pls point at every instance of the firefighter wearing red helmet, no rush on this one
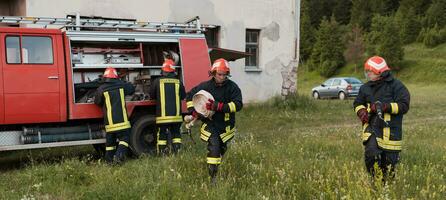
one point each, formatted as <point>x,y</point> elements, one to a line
<point>168,90</point>
<point>110,96</point>
<point>219,130</point>
<point>380,106</point>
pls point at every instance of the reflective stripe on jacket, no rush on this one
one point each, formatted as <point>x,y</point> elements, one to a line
<point>222,123</point>
<point>110,96</point>
<point>168,91</point>
<point>388,131</point>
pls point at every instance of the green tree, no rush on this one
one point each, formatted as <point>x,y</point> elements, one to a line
<point>436,14</point>
<point>314,11</point>
<point>385,7</point>
<point>419,6</point>
<point>317,10</point>
<point>383,41</point>
<point>432,37</point>
<point>361,14</point>
<point>355,46</point>
<point>409,24</point>
<point>326,56</point>
<point>342,11</point>
<point>307,37</point>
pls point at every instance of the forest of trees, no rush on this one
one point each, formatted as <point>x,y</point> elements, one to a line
<point>336,32</point>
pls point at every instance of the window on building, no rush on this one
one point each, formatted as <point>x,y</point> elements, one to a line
<point>212,35</point>
<point>29,50</point>
<point>252,47</point>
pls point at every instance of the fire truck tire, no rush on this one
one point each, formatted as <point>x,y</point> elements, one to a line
<point>143,136</point>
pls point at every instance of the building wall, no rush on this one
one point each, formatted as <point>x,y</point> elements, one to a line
<point>12,7</point>
<point>276,19</point>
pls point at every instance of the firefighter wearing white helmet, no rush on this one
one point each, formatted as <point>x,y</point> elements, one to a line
<point>219,130</point>
<point>110,96</point>
<point>380,106</point>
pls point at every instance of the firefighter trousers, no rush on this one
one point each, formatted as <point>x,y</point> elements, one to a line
<point>164,139</point>
<point>380,163</point>
<point>216,150</point>
<point>116,145</point>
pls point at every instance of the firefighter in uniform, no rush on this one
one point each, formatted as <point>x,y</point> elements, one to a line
<point>169,91</point>
<point>219,130</point>
<point>110,95</point>
<point>380,105</point>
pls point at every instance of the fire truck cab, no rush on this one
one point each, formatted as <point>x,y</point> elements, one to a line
<point>48,77</point>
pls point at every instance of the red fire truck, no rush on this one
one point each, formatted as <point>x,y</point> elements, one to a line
<point>48,76</point>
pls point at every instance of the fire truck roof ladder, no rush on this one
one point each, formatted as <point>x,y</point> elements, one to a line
<point>77,23</point>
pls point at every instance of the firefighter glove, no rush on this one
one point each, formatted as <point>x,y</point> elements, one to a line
<point>377,105</point>
<point>214,105</point>
<point>363,115</point>
<point>195,114</point>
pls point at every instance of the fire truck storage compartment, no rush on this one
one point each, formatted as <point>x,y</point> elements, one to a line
<point>136,62</point>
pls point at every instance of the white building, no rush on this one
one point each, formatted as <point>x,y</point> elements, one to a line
<point>266,28</point>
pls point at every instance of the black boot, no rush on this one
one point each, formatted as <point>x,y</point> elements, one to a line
<point>213,169</point>
<point>121,154</point>
<point>176,147</point>
<point>163,150</point>
<point>108,156</point>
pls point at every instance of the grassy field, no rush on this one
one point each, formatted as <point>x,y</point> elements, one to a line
<point>299,148</point>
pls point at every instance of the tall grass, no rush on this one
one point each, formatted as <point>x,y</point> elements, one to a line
<point>297,148</point>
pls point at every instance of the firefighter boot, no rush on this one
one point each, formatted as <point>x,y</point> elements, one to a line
<point>109,153</point>
<point>176,147</point>
<point>121,153</point>
<point>213,169</point>
<point>163,150</point>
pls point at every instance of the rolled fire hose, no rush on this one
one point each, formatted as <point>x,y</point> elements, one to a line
<point>199,101</point>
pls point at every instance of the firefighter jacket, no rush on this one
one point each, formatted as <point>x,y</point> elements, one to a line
<point>392,92</point>
<point>222,123</point>
<point>110,95</point>
<point>169,91</point>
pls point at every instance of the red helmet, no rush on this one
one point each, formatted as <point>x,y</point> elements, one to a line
<point>110,72</point>
<point>220,65</point>
<point>376,64</point>
<point>168,66</point>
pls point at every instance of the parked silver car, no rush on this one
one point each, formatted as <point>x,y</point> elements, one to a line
<point>339,87</point>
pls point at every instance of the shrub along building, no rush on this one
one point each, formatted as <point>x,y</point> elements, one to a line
<point>268,30</point>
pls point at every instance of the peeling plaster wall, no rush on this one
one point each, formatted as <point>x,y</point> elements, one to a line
<point>275,19</point>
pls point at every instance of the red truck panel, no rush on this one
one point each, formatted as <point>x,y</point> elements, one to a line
<point>2,101</point>
<point>33,93</point>
<point>195,60</point>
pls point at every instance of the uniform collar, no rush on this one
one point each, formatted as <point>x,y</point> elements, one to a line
<point>386,77</point>
<point>221,84</point>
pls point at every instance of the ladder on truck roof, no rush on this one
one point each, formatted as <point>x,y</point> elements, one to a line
<point>77,23</point>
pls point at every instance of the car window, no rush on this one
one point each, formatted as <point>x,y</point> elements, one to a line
<point>337,82</point>
<point>328,82</point>
<point>353,81</point>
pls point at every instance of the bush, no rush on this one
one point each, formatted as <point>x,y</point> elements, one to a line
<point>293,102</point>
<point>432,37</point>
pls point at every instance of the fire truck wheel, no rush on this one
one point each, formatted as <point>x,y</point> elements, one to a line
<point>143,136</point>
